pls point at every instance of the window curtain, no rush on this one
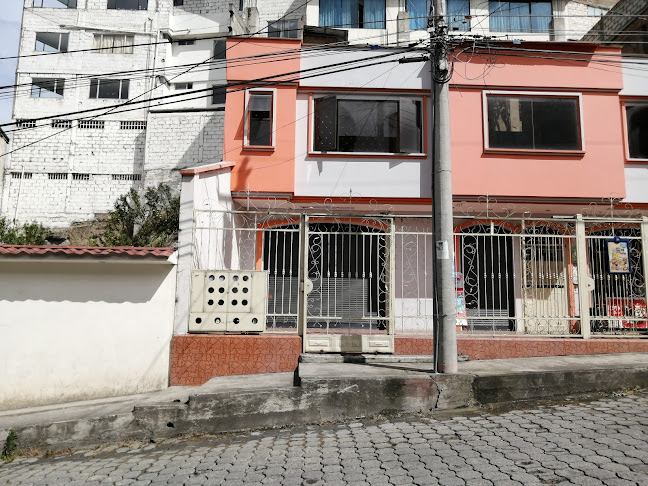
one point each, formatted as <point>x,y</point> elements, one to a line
<point>541,15</point>
<point>374,14</point>
<point>457,11</point>
<point>520,16</point>
<point>418,11</point>
<point>119,44</point>
<point>339,13</point>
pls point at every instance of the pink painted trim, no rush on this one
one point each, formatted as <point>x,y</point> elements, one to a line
<point>207,168</point>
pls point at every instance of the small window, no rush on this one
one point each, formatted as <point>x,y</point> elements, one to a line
<point>115,89</point>
<point>363,14</point>
<point>357,125</point>
<point>637,120</point>
<point>126,177</point>
<point>220,49</point>
<point>78,176</point>
<point>25,123</point>
<point>528,122</point>
<point>219,94</point>
<point>57,176</point>
<point>182,86</point>
<point>187,42</point>
<point>55,3</point>
<point>529,16</point>
<point>21,175</point>
<point>178,3</point>
<point>128,4</point>
<point>284,28</point>
<point>113,43</point>
<point>47,87</point>
<point>61,123</point>
<point>132,125</point>
<point>259,118</point>
<point>92,124</point>
<point>51,42</point>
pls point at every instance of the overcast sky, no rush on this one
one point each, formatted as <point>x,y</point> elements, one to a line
<point>10,15</point>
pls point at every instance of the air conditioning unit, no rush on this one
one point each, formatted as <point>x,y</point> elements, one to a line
<point>228,301</point>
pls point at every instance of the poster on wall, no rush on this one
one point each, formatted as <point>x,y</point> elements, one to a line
<point>618,255</point>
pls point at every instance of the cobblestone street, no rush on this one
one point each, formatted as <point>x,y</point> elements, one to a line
<point>604,442</point>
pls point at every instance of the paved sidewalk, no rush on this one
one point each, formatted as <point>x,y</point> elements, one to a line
<point>600,443</point>
<point>327,391</point>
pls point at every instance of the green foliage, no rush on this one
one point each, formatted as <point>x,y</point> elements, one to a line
<point>149,221</point>
<point>27,234</point>
<point>10,446</point>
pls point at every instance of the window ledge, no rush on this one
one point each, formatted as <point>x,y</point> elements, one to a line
<point>637,161</point>
<point>365,155</point>
<point>259,148</point>
<point>558,153</point>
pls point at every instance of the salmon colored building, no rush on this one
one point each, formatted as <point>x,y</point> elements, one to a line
<point>314,232</point>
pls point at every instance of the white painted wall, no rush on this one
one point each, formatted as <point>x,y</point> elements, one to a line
<point>77,330</point>
<point>636,177</point>
<point>634,76</point>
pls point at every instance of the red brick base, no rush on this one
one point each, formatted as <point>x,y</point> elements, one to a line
<point>197,358</point>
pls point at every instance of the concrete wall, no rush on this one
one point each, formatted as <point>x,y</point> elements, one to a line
<point>77,330</point>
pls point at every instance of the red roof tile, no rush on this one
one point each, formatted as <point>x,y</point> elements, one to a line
<point>85,251</point>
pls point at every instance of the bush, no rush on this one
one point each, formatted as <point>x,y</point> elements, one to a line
<point>150,222</point>
<point>27,234</point>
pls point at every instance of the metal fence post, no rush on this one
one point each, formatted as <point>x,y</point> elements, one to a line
<point>583,277</point>
<point>303,277</point>
<point>392,278</point>
<point>644,250</point>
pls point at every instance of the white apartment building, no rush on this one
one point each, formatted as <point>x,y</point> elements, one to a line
<point>114,94</point>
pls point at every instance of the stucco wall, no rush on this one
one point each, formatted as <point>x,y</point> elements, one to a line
<point>74,330</point>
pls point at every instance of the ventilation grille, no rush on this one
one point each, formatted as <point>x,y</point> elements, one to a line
<point>56,176</point>
<point>80,177</point>
<point>23,123</point>
<point>61,123</point>
<point>21,175</point>
<point>93,124</point>
<point>132,125</point>
<point>126,177</point>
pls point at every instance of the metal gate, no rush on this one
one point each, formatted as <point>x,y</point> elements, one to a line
<point>346,298</point>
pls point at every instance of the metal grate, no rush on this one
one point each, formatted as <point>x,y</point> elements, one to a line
<point>24,123</point>
<point>21,175</point>
<point>61,123</point>
<point>132,125</point>
<point>57,176</point>
<point>92,124</point>
<point>126,177</point>
<point>80,177</point>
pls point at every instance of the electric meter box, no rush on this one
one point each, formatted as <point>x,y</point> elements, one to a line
<point>228,300</point>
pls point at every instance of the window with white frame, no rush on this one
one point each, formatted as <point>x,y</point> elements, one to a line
<point>51,42</point>
<point>259,119</point>
<point>55,3</point>
<point>113,43</point>
<point>349,124</point>
<point>346,14</point>
<point>637,129</point>
<point>116,89</point>
<point>520,121</point>
<point>284,28</point>
<point>524,16</point>
<point>47,87</point>
<point>128,4</point>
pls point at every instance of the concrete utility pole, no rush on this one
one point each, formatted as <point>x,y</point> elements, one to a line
<point>445,342</point>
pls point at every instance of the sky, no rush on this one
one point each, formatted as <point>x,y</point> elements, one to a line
<point>10,17</point>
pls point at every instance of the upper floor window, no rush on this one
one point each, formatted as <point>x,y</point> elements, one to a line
<point>51,42</point>
<point>55,3</point>
<point>220,49</point>
<point>529,16</point>
<point>178,3</point>
<point>533,122</point>
<point>347,14</point>
<point>284,28</point>
<point>128,4</point>
<point>219,94</point>
<point>637,120</point>
<point>116,89</point>
<point>259,118</point>
<point>457,11</point>
<point>47,87</point>
<point>361,125</point>
<point>187,42</point>
<point>113,43</point>
<point>182,86</point>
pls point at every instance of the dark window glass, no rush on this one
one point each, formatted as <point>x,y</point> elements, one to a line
<point>284,28</point>
<point>51,42</point>
<point>367,14</point>
<point>128,4</point>
<point>260,119</point>
<point>178,3</point>
<point>218,95</point>
<point>47,88</point>
<point>55,3</point>
<point>109,88</point>
<point>520,16</point>
<point>637,118</point>
<point>533,123</point>
<point>368,126</point>
<point>220,49</point>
